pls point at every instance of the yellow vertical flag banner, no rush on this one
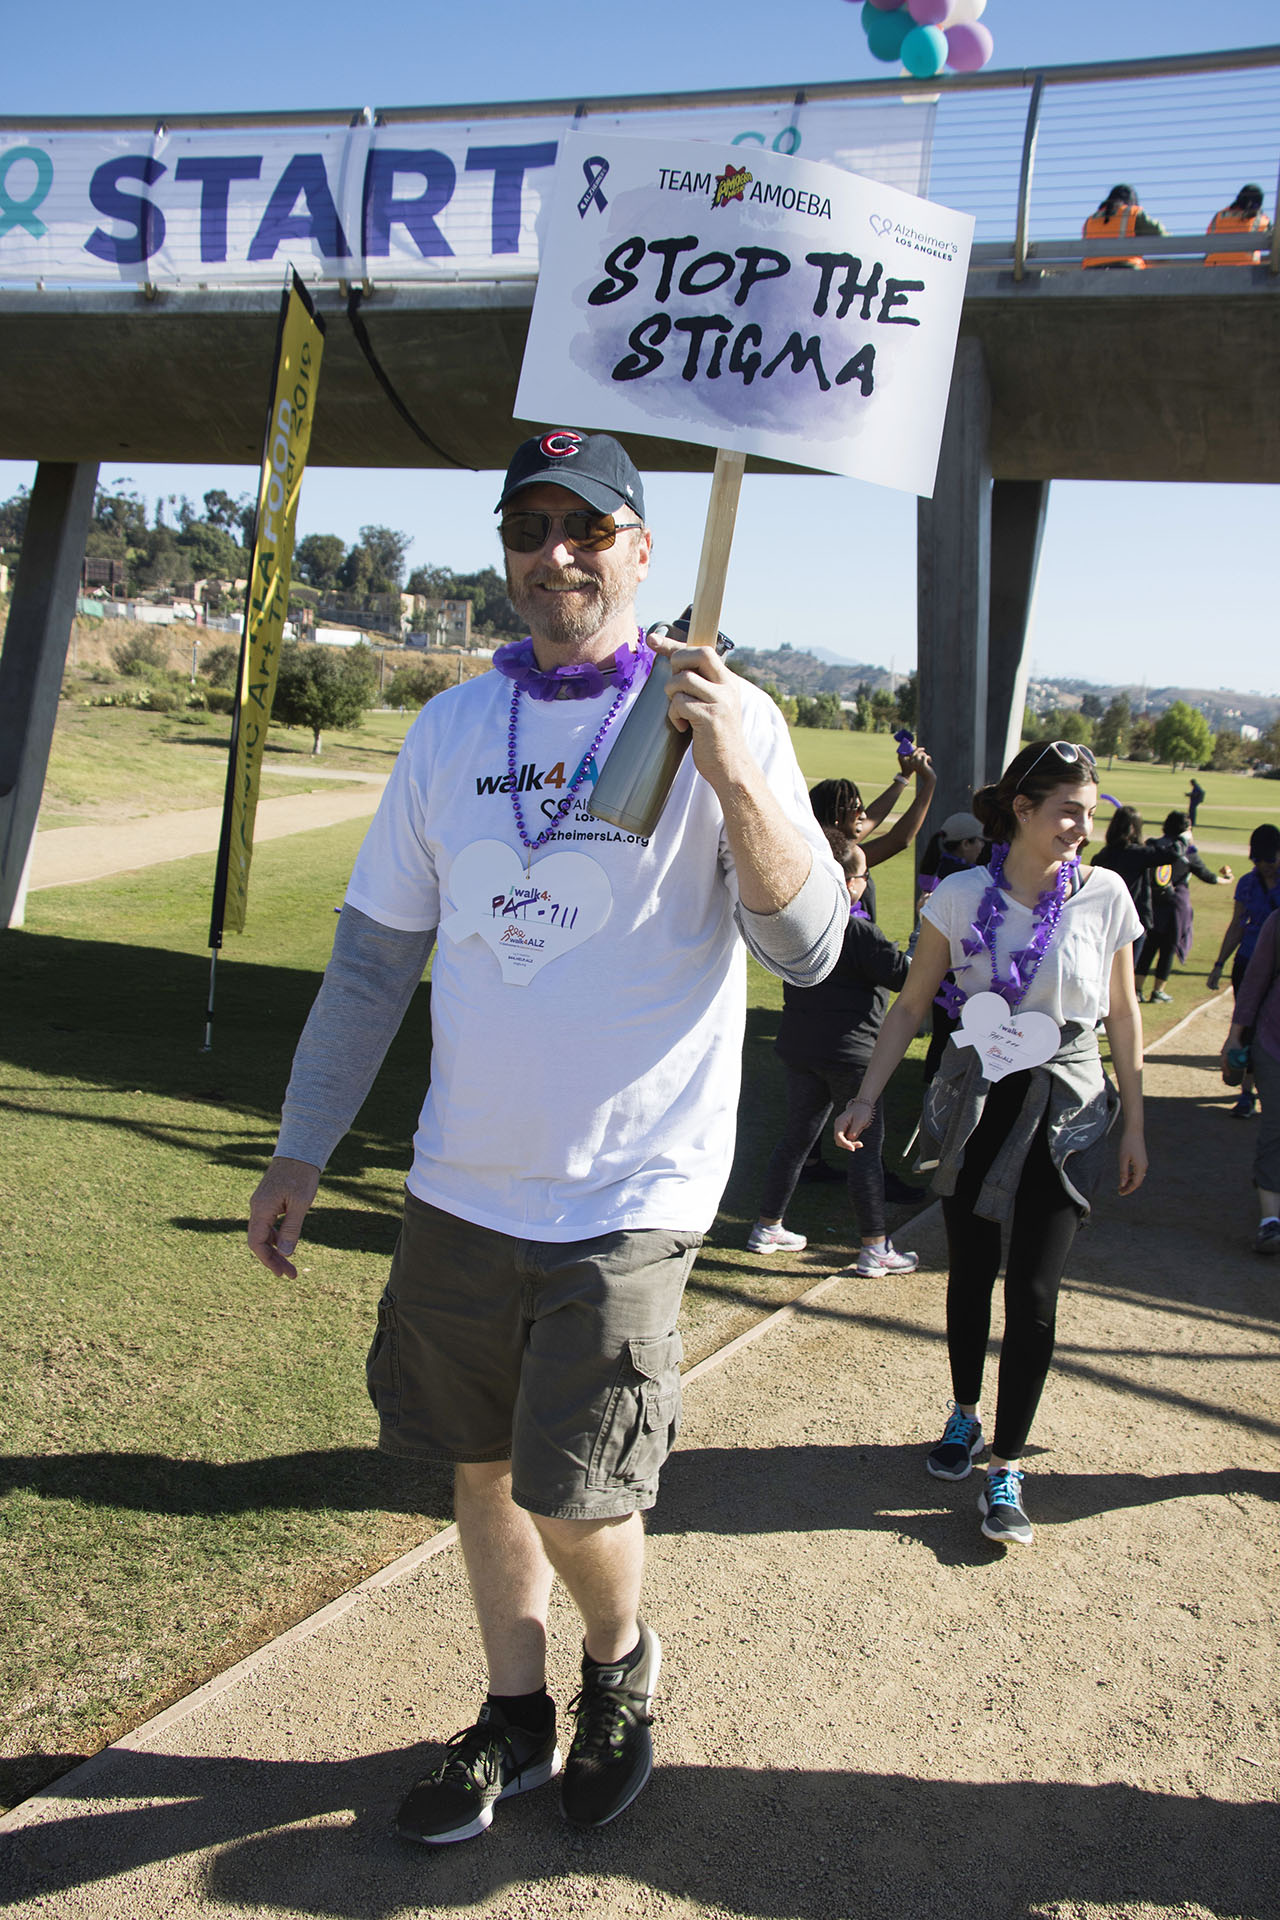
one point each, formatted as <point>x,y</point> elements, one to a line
<point>300,344</point>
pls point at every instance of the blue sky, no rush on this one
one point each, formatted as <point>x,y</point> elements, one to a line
<point>1135,581</point>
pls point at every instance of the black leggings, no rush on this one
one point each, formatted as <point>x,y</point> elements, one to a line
<point>1040,1235</point>
<point>1158,950</point>
<point>811,1098</point>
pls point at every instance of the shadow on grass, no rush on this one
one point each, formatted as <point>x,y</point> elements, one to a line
<point>315,1837</point>
<point>347,1229</point>
<point>129,1019</point>
<point>326,1480</point>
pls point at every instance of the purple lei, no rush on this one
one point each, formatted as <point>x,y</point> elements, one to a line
<point>986,924</point>
<point>586,681</point>
<point>857,911</point>
<point>516,661</point>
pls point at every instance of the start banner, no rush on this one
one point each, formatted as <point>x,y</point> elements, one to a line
<point>412,200</point>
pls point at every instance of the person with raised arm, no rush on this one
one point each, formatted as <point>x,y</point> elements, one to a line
<point>1017,1117</point>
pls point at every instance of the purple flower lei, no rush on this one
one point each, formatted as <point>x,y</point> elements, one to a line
<point>584,681</point>
<point>520,667</point>
<point>984,928</point>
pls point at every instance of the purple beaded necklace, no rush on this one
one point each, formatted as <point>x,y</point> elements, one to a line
<point>1024,964</point>
<point>521,667</point>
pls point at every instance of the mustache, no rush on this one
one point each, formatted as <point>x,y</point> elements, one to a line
<point>561,577</point>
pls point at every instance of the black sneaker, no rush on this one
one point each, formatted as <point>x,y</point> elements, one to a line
<point>1004,1516</point>
<point>953,1457</point>
<point>611,1757</point>
<point>481,1765</point>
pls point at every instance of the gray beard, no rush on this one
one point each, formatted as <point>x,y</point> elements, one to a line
<point>560,621</point>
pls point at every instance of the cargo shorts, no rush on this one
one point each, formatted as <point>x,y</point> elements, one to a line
<point>562,1356</point>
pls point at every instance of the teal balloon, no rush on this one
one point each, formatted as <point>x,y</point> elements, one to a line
<point>923,51</point>
<point>887,31</point>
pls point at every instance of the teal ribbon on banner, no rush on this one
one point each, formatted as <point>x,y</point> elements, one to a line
<point>22,213</point>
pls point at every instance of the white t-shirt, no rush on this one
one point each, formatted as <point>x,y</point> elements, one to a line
<point>602,1094</point>
<point>1073,979</point>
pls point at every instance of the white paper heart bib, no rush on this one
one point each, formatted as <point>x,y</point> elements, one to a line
<point>1006,1042</point>
<point>527,918</point>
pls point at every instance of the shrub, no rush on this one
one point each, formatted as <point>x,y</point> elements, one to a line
<point>220,700</point>
<point>160,700</point>
<point>221,665</point>
<point>141,653</point>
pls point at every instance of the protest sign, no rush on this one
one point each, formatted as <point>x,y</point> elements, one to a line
<point>747,300</point>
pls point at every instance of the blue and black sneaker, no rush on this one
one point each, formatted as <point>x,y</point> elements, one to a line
<point>1000,1503</point>
<point>961,1442</point>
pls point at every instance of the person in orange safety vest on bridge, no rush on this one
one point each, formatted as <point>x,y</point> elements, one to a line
<point>1244,215</point>
<point>1118,218</point>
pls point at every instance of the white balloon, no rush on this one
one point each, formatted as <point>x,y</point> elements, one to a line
<point>963,12</point>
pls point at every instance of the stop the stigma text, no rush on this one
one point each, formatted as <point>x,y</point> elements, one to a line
<point>714,344</point>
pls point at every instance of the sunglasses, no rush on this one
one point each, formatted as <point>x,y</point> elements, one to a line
<point>1066,750</point>
<point>584,528</point>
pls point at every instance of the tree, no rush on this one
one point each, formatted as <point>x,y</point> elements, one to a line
<point>822,710</point>
<point>320,687</point>
<point>1091,706</point>
<point>1183,736</point>
<point>13,518</point>
<point>221,511</point>
<point>1230,753</point>
<point>1065,723</point>
<point>142,654</point>
<point>1032,725</point>
<point>908,698</point>
<point>376,564</point>
<point>1142,739</point>
<point>316,560</point>
<point>212,552</point>
<point>414,686</point>
<point>1111,735</point>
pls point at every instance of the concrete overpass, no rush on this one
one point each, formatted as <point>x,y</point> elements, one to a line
<point>1164,375</point>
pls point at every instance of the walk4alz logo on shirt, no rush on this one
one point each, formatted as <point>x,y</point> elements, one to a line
<point>529,780</point>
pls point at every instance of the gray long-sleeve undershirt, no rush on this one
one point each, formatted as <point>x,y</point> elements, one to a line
<point>373,971</point>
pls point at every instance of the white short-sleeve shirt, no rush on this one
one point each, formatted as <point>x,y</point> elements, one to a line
<point>603,1093</point>
<point>1073,979</point>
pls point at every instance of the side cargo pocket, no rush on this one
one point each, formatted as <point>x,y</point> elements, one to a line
<point>641,1417</point>
<point>382,1368</point>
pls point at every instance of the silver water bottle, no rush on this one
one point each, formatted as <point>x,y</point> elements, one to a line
<point>643,761</point>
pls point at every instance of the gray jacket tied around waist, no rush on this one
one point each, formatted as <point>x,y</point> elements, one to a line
<point>1071,1089</point>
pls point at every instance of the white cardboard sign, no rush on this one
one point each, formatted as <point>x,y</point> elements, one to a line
<point>741,299</point>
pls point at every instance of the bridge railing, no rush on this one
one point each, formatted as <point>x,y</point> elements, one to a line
<point>1031,155</point>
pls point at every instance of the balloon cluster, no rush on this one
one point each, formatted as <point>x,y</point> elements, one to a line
<point>928,35</point>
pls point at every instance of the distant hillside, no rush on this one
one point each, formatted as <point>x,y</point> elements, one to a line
<point>796,670</point>
<point>810,670</point>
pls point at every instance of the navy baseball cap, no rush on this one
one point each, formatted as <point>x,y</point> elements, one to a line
<point>592,465</point>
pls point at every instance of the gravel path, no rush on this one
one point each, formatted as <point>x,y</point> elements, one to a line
<point>866,1709</point>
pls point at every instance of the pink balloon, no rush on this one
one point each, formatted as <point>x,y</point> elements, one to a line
<point>969,47</point>
<point>928,13</point>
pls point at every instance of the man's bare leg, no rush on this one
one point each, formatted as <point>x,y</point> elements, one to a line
<point>510,1576</point>
<point>602,1564</point>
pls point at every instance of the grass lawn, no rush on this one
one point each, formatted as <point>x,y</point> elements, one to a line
<point>186,1461</point>
<point>119,763</point>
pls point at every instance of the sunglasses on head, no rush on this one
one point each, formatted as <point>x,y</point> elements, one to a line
<point>584,527</point>
<point>1066,750</point>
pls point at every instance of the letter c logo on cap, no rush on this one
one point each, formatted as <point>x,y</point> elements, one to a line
<point>558,445</point>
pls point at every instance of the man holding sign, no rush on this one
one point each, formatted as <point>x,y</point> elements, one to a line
<point>588,1003</point>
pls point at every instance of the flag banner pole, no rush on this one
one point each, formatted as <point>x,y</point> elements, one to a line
<point>296,373</point>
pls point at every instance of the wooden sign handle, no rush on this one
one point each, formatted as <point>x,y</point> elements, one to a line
<point>717,538</point>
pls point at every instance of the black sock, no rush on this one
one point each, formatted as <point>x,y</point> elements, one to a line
<point>529,1711</point>
<point>627,1662</point>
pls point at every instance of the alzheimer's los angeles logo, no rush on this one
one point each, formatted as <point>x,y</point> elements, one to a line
<point>885,227</point>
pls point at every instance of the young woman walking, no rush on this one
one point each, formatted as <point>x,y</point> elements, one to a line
<point>1016,1118</point>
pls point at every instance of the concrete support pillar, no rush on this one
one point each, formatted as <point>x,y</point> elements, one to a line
<point>953,570</point>
<point>35,652</point>
<point>1018,509</point>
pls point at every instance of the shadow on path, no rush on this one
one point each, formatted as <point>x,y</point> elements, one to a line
<point>302,1838</point>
